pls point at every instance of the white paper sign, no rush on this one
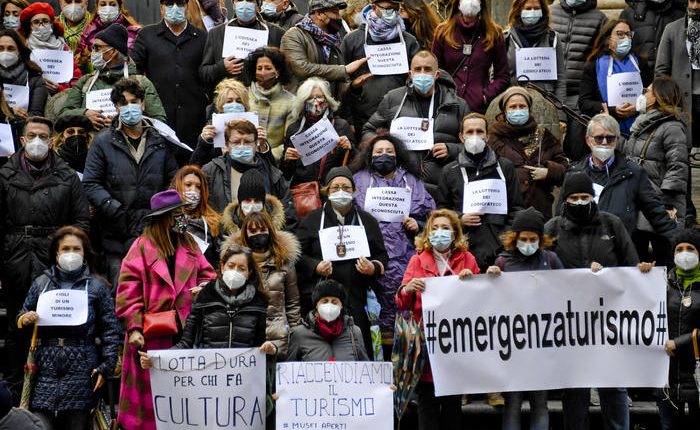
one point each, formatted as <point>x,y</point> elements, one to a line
<point>239,41</point>
<point>316,141</point>
<point>569,328</point>
<point>598,190</point>
<point>536,64</point>
<point>17,96</point>
<point>387,59</point>
<point>208,388</point>
<point>334,395</point>
<point>168,133</point>
<point>62,307</point>
<point>56,65</point>
<point>410,131</point>
<point>101,100</point>
<point>489,196</point>
<point>624,88</point>
<point>7,143</point>
<point>354,243</point>
<point>388,204</point>
<point>219,120</point>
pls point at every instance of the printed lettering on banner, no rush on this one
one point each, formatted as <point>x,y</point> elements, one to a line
<point>624,88</point>
<point>17,96</point>
<point>316,141</point>
<point>219,121</point>
<point>387,58</point>
<point>208,388</point>
<point>7,143</point>
<point>486,195</point>
<point>56,65</point>
<point>536,64</point>
<point>388,204</point>
<point>101,100</point>
<point>334,395</point>
<point>239,41</point>
<point>62,307</point>
<point>410,131</point>
<point>354,243</point>
<point>569,328</point>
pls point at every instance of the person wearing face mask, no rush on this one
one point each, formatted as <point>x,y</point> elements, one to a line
<point>64,391</point>
<point>126,163</point>
<point>17,68</point>
<point>683,304</point>
<point>10,11</point>
<point>589,237</point>
<point>39,193</point>
<point>164,270</point>
<point>382,25</point>
<point>385,163</point>
<point>468,45</point>
<point>524,250</point>
<point>281,12</point>
<point>314,102</point>
<point>72,140</point>
<point>421,21</point>
<point>111,63</point>
<point>478,161</point>
<point>612,53</point>
<point>535,153</point>
<point>442,250</point>
<point>429,98</point>
<point>313,46</point>
<point>206,14</point>
<point>356,274</point>
<point>216,64</point>
<point>203,221</point>
<point>74,17</point>
<point>658,144</point>
<point>327,332</point>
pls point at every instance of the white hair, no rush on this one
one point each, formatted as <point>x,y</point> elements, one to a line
<point>604,121</point>
<point>304,92</point>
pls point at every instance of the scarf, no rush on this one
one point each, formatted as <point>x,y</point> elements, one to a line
<point>261,93</point>
<point>36,169</point>
<point>53,44</point>
<point>693,34</point>
<point>73,34</point>
<point>688,277</point>
<point>627,64</point>
<point>380,31</point>
<point>259,165</point>
<point>648,118</point>
<point>240,299</point>
<point>327,40</point>
<point>329,330</point>
<point>12,75</point>
<point>506,130</point>
<point>261,257</point>
<point>531,34</point>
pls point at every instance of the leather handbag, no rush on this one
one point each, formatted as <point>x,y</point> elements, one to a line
<point>159,324</point>
<point>306,197</point>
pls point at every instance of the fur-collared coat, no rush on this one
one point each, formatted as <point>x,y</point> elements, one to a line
<point>232,219</point>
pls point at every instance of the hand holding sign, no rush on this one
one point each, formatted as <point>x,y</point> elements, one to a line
<point>233,66</point>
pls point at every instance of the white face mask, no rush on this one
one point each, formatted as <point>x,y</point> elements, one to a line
<point>329,312</point>
<point>603,153</point>
<point>641,103</point>
<point>108,14</point>
<point>70,261</point>
<point>248,208</point>
<point>526,248</point>
<point>340,199</point>
<point>474,144</point>
<point>43,32</point>
<point>37,149</point>
<point>470,7</point>
<point>686,260</point>
<point>8,59</point>
<point>74,12</point>
<point>233,279</point>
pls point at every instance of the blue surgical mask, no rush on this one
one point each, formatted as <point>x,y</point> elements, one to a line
<point>440,239</point>
<point>175,14</point>
<point>531,17</point>
<point>268,10</point>
<point>245,11</point>
<point>527,249</point>
<point>623,47</point>
<point>130,114</point>
<point>11,22</point>
<point>390,16</point>
<point>423,82</point>
<point>242,154</point>
<point>233,107</point>
<point>518,116</point>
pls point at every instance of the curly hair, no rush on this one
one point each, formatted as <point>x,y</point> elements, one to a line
<point>278,59</point>
<point>460,243</point>
<point>363,160</point>
<point>509,240</point>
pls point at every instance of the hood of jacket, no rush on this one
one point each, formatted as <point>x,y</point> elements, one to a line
<point>231,220</point>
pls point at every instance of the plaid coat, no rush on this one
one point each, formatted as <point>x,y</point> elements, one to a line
<point>145,284</point>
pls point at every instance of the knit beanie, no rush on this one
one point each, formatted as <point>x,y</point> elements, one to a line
<point>115,36</point>
<point>340,171</point>
<point>687,235</point>
<point>577,182</point>
<point>529,219</point>
<point>514,91</point>
<point>252,186</point>
<point>326,288</point>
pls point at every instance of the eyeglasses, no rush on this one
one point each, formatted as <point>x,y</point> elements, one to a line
<point>32,136</point>
<point>346,188</point>
<point>39,22</point>
<point>607,138</point>
<point>623,34</point>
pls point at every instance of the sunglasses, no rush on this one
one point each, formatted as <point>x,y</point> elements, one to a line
<point>606,138</point>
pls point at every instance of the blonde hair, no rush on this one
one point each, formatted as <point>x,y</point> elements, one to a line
<point>460,243</point>
<point>222,89</point>
<point>304,92</point>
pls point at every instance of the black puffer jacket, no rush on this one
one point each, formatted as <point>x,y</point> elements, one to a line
<point>288,18</point>
<point>681,322</point>
<point>648,19</point>
<point>64,378</point>
<point>604,240</point>
<point>307,344</point>
<point>515,261</point>
<point>215,323</point>
<point>577,29</point>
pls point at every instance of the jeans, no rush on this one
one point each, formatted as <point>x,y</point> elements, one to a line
<point>673,417</point>
<point>539,414</point>
<point>74,420</point>
<point>437,413</point>
<point>613,407</point>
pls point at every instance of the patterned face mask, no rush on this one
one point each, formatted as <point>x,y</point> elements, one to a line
<point>180,225</point>
<point>316,107</point>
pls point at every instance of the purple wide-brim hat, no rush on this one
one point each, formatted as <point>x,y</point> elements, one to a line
<point>164,202</point>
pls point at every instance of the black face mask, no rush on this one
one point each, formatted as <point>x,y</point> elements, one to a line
<point>259,242</point>
<point>384,164</point>
<point>334,25</point>
<point>694,14</point>
<point>580,214</point>
<point>76,144</point>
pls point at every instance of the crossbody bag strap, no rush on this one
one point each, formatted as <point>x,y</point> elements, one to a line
<point>645,148</point>
<point>696,352</point>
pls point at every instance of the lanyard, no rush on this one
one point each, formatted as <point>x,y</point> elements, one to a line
<point>405,182</point>
<point>323,217</point>
<point>87,283</point>
<point>498,168</point>
<point>612,59</point>
<point>430,109</point>
<point>97,75</point>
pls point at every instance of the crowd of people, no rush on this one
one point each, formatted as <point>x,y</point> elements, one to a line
<point>212,239</point>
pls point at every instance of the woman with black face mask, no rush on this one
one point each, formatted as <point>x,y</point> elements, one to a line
<point>385,167</point>
<point>72,140</point>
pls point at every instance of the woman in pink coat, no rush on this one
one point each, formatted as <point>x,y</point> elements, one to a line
<point>162,271</point>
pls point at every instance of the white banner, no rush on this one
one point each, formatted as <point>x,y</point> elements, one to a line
<point>387,58</point>
<point>353,245</point>
<point>7,143</point>
<point>100,100</point>
<point>624,88</point>
<point>208,388</point>
<point>219,120</point>
<point>62,307</point>
<point>56,66</point>
<point>567,328</point>
<point>389,204</point>
<point>413,132</point>
<point>316,141</point>
<point>17,96</point>
<point>334,395</point>
<point>240,41</point>
<point>536,64</point>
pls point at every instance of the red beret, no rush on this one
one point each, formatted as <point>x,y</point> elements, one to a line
<point>35,9</point>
